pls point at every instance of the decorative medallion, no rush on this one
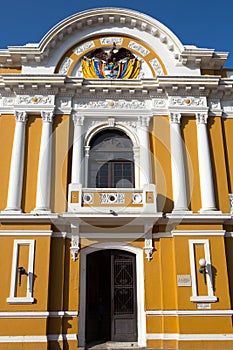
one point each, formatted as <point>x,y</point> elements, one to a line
<point>110,64</point>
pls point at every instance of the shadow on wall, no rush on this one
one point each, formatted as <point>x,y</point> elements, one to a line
<point>164,204</point>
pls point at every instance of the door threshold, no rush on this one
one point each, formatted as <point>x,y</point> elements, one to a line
<point>113,345</point>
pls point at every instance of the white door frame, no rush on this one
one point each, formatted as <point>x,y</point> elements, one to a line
<point>141,315</point>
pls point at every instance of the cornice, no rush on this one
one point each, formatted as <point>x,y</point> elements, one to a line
<point>110,18</point>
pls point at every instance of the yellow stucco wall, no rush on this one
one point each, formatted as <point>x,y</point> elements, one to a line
<point>218,164</point>
<point>189,133</point>
<point>32,151</point>
<point>161,162</point>
<point>61,169</point>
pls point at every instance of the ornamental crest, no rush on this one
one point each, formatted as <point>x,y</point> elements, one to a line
<point>113,64</point>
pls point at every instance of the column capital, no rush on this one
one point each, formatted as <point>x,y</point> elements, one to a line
<point>87,150</point>
<point>175,118</point>
<point>77,118</point>
<point>47,117</point>
<point>201,118</point>
<point>21,116</point>
<point>143,121</point>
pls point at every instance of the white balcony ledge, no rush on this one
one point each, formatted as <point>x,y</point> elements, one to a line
<point>115,201</point>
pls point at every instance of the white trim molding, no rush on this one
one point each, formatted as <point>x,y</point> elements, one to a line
<point>174,313</point>
<point>38,314</point>
<point>198,233</point>
<point>37,338</point>
<point>47,233</point>
<point>28,299</point>
<point>191,337</point>
<point>195,297</point>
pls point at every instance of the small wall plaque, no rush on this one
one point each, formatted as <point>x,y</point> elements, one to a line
<point>184,280</point>
<point>203,306</point>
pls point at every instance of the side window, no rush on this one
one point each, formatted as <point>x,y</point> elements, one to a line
<point>111,161</point>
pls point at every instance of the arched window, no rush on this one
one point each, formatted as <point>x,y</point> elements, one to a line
<point>111,160</point>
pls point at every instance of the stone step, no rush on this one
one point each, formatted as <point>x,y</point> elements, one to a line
<point>111,345</point>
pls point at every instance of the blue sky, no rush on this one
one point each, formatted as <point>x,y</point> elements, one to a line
<point>204,23</point>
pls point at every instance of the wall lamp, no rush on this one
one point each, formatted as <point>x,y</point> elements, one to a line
<point>21,271</point>
<point>203,268</point>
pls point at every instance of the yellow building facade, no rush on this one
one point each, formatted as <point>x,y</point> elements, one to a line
<point>116,189</point>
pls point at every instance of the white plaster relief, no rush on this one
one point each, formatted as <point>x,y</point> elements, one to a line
<point>214,104</point>
<point>111,41</point>
<point>188,101</point>
<point>82,48</point>
<point>110,104</point>
<point>129,123</point>
<point>112,198</point>
<point>37,99</point>
<point>65,65</point>
<point>8,101</point>
<point>159,103</point>
<point>139,48</point>
<point>157,66</point>
<point>63,102</point>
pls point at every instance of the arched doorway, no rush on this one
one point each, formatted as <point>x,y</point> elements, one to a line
<point>111,296</point>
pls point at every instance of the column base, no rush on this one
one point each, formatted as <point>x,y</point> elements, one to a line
<point>41,211</point>
<point>11,211</point>
<point>210,211</point>
<point>181,212</point>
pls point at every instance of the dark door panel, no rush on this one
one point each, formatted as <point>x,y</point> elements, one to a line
<point>111,312</point>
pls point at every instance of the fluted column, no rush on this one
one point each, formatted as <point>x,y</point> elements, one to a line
<point>205,167</point>
<point>17,164</point>
<point>77,157</point>
<point>45,165</point>
<point>178,169</point>
<point>145,160</point>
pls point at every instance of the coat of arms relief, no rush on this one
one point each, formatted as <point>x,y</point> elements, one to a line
<point>110,64</point>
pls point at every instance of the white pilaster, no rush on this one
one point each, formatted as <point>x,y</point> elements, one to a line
<point>17,164</point>
<point>178,169</point>
<point>77,157</point>
<point>145,160</point>
<point>205,167</point>
<point>45,165</point>
<point>87,154</point>
<point>136,152</point>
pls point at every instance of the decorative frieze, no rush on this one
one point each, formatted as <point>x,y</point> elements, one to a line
<point>187,101</point>
<point>34,100</point>
<point>8,101</point>
<point>110,104</point>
